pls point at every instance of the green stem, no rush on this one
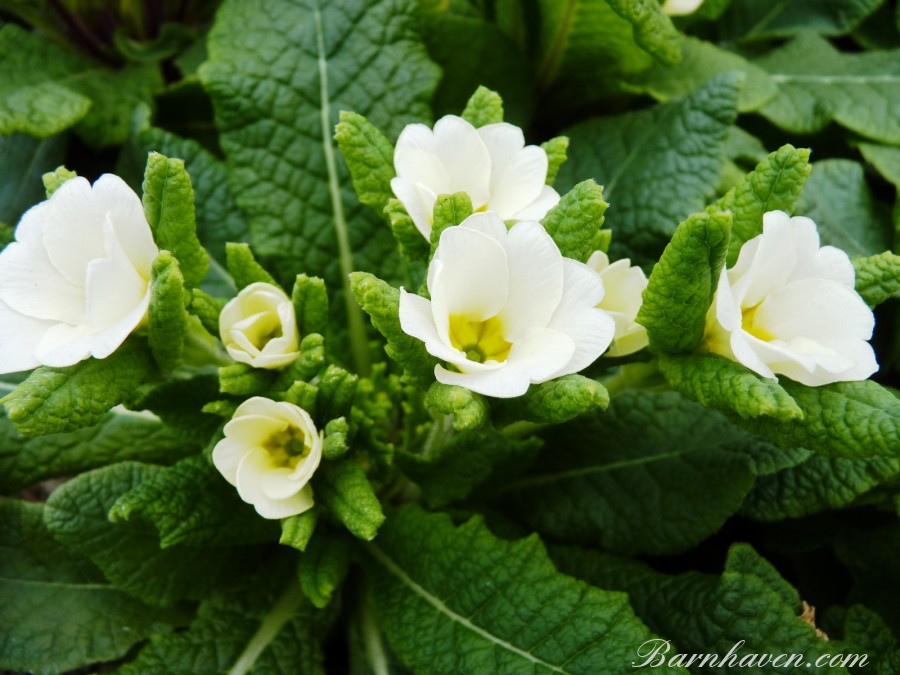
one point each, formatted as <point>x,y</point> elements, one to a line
<point>272,623</point>
<point>371,635</point>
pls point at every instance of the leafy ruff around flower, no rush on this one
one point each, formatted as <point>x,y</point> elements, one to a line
<point>507,309</point>
<point>270,451</point>
<point>788,306</point>
<point>491,164</point>
<point>258,327</point>
<point>76,281</point>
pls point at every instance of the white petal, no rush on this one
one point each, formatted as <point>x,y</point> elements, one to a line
<point>227,455</point>
<point>828,263</point>
<point>30,229</point>
<point>591,329</point>
<point>280,484</point>
<point>32,286</point>
<point>518,172</point>
<point>252,429</point>
<point>742,350</point>
<point>727,310</point>
<point>502,382</point>
<point>767,261</point>
<point>623,287</point>
<point>250,472</point>
<point>64,345</point>
<point>536,279</point>
<point>126,213</point>
<point>540,207</point>
<point>19,334</point>
<point>488,223</point>
<point>74,229</point>
<point>542,353</point>
<point>681,7</point>
<point>628,340</point>
<point>860,353</point>
<point>419,210</point>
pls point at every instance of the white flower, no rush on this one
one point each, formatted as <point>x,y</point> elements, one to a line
<point>76,281</point>
<point>491,164</point>
<point>623,286</point>
<point>789,307</point>
<point>507,309</point>
<point>258,327</point>
<point>270,451</point>
<point>681,7</point>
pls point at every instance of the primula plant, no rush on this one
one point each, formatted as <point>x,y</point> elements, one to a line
<point>461,336</point>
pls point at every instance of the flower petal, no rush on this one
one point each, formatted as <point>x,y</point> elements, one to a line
<point>19,334</point>
<point>32,286</point>
<point>542,353</point>
<point>74,229</point>
<point>125,211</point>
<point>64,345</point>
<point>251,429</point>
<point>540,207</point>
<point>767,261</point>
<point>227,455</point>
<point>504,382</point>
<point>742,346</point>
<point>418,208</point>
<point>250,472</point>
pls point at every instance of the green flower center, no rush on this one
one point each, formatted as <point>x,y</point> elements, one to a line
<point>287,448</point>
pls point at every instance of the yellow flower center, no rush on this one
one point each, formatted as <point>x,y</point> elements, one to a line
<point>748,317</point>
<point>287,448</point>
<point>480,340</point>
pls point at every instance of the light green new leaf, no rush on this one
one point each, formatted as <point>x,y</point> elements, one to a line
<point>818,84</point>
<point>310,299</point>
<point>335,444</point>
<point>877,277</point>
<point>264,625</point>
<point>449,210</point>
<point>243,268</point>
<point>654,474</point>
<point>120,435</point>
<point>724,385</point>
<point>701,62</point>
<point>774,185</point>
<point>168,316</point>
<point>169,207</point>
<point>54,400</point>
<point>413,245</point>
<point>683,283</point>
<point>575,221</point>
<point>557,401</point>
<point>750,609</point>
<point>337,388</point>
<point>323,567</point>
<point>343,488</point>
<point>58,612</point>
<point>190,503</point>
<point>848,216</point>
<point>369,157</point>
<point>297,531</point>
<point>129,553</point>
<point>763,19</point>
<point>23,161</point>
<point>459,600</point>
<point>242,379</point>
<point>469,410</point>
<point>656,166</point>
<point>46,89</point>
<point>556,149</point>
<point>483,108</point>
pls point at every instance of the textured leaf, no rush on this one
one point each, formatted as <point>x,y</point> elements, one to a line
<point>310,299</point>
<point>656,166</point>
<point>702,61</point>
<point>412,244</point>
<point>459,600</point>
<point>683,283</point>
<point>265,625</point>
<point>819,84</point>
<point>654,474</point>
<point>759,19</point>
<point>653,30</point>
<point>242,379</point>
<point>337,387</point>
<point>749,610</point>
<point>168,317</point>
<point>452,470</point>
<point>190,503</point>
<point>483,108</point>
<point>128,553</point>
<point>296,531</point>
<point>724,385</point>
<point>575,221</point>
<point>335,444</point>
<point>54,400</point>
<point>449,210</point>
<point>58,613</point>
<point>343,488</point>
<point>169,207</point>
<point>838,198</point>
<point>46,90</point>
<point>469,410</point>
<point>556,149</point>
<point>877,277</point>
<point>558,400</point>
<point>243,268</point>
<point>774,185</point>
<point>120,435</point>
<point>323,567</point>
<point>369,157</point>
<point>23,161</point>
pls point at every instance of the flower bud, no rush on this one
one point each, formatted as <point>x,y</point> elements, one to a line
<point>258,327</point>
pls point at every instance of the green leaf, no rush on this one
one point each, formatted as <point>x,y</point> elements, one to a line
<point>654,474</point>
<point>129,553</point>
<point>877,277</point>
<point>23,161</point>
<point>749,610</point>
<point>168,316</point>
<point>485,107</point>
<point>683,283</point>
<point>838,198</point>
<point>243,268</point>
<point>452,470</point>
<point>241,379</point>
<point>575,221</point>
<point>774,185</point>
<point>296,531</point>
<point>343,488</point>
<point>53,400</point>
<point>47,89</point>
<point>762,19</point>
<point>265,625</point>
<point>818,484</point>
<point>190,503</point>
<point>819,84</point>
<point>556,149</point>
<point>885,158</point>
<point>207,309</point>
<point>703,61</point>
<point>54,597</point>
<point>369,157</point>
<point>310,300</point>
<point>459,600</point>
<point>53,180</point>
<point>336,444</point>
<point>469,410</point>
<point>412,244</point>
<point>653,30</point>
<point>845,419</point>
<point>120,435</point>
<point>381,302</point>
<point>169,207</point>
<point>664,162</point>
<point>323,567</point>
<point>742,145</point>
<point>557,401</point>
<point>337,388</point>
<point>449,210</point>
<point>724,385</point>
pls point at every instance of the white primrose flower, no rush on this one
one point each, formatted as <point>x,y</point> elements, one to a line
<point>507,309</point>
<point>788,306</point>
<point>491,164</point>
<point>258,327</point>
<point>76,280</point>
<point>681,7</point>
<point>623,287</point>
<point>270,451</point>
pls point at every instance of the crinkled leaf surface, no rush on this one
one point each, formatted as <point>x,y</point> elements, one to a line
<point>877,277</point>
<point>757,19</point>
